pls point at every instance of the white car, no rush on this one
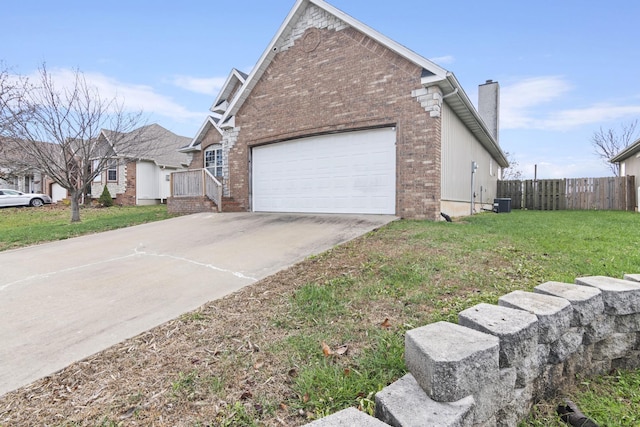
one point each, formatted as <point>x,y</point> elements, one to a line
<point>18,198</point>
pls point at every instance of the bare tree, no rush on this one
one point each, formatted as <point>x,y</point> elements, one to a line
<point>512,172</point>
<point>608,143</point>
<point>58,130</point>
<point>12,91</point>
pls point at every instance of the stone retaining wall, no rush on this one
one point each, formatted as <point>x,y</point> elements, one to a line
<point>491,367</point>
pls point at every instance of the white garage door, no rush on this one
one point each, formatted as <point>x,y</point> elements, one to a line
<point>351,172</point>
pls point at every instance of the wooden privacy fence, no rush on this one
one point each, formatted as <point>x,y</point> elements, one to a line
<point>609,193</point>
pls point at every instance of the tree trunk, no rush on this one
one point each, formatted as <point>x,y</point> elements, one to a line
<point>75,205</point>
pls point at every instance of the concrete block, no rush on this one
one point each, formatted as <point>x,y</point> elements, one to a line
<point>506,418</point>
<point>491,422</point>
<point>405,404</point>
<point>449,361</point>
<point>492,396</point>
<point>567,344</point>
<point>615,346</point>
<point>517,331</point>
<point>577,363</point>
<point>522,403</point>
<point>627,323</point>
<point>554,314</point>
<point>602,326</point>
<point>348,417</point>
<point>620,296</point>
<point>542,357</point>
<point>551,381</point>
<point>632,277</point>
<point>628,363</point>
<point>599,367</point>
<point>586,301</point>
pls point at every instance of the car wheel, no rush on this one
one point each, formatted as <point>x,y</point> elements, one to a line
<point>36,203</point>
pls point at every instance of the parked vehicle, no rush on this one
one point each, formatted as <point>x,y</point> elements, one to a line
<point>18,198</point>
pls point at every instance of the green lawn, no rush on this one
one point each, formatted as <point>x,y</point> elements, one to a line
<point>435,270</point>
<point>28,226</point>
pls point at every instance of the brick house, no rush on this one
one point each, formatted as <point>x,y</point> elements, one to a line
<point>141,174</point>
<point>337,118</point>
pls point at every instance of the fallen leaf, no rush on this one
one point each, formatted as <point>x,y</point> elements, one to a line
<point>347,372</point>
<point>246,395</point>
<point>305,398</point>
<point>326,349</point>
<point>386,323</point>
<point>283,406</point>
<point>341,350</point>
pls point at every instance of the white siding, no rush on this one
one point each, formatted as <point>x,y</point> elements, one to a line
<point>147,186</point>
<point>459,149</point>
<point>164,183</point>
<point>631,166</point>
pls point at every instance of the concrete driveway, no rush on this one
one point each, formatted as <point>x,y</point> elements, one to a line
<point>63,301</point>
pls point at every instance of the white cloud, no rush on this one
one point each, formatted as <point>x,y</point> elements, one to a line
<point>206,86</point>
<point>518,100</point>
<point>135,97</point>
<point>528,104</point>
<point>595,114</point>
<point>443,60</point>
<point>566,167</point>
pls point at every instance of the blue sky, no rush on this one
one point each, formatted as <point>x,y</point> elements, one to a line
<point>566,68</point>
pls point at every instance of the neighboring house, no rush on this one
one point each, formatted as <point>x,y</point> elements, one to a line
<point>141,177</point>
<point>337,118</point>
<point>16,172</point>
<point>628,161</point>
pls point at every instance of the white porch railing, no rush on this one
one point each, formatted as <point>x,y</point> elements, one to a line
<point>196,183</point>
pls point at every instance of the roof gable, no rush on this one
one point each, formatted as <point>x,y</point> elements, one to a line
<point>209,122</point>
<point>230,88</point>
<point>627,152</point>
<point>319,14</point>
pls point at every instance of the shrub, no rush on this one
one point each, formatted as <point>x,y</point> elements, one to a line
<point>105,198</point>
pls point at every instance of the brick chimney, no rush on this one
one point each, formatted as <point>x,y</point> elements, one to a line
<point>489,106</point>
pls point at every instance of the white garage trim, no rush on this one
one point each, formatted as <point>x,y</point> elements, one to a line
<point>350,172</point>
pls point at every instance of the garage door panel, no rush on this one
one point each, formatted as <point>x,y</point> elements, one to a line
<point>340,173</point>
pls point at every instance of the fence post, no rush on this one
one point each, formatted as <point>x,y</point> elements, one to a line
<point>634,193</point>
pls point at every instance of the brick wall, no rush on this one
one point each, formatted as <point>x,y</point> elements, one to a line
<point>329,81</point>
<point>197,158</point>
<point>128,184</point>
<point>189,205</point>
<point>118,188</point>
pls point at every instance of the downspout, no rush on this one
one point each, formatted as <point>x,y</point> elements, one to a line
<point>474,168</point>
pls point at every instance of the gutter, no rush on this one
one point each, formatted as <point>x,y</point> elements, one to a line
<point>457,91</point>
